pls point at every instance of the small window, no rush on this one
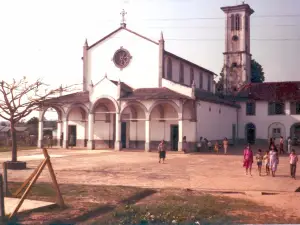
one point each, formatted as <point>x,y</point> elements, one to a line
<point>295,108</point>
<point>181,73</point>
<point>234,64</point>
<point>237,22</point>
<point>276,108</point>
<point>169,69</point>
<point>250,108</point>
<point>201,81</point>
<point>191,76</point>
<point>232,21</point>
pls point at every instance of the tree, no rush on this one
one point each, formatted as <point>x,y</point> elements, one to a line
<point>257,76</point>
<point>257,72</point>
<point>18,99</point>
<point>33,120</point>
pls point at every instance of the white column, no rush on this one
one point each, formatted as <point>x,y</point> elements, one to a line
<point>91,141</point>
<point>180,134</point>
<point>66,133</point>
<point>59,130</point>
<point>287,108</point>
<point>147,135</point>
<point>40,135</point>
<point>118,132</point>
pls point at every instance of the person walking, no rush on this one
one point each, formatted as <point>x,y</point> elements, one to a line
<point>184,145</point>
<point>271,142</point>
<point>225,145</point>
<point>259,160</point>
<point>293,163</point>
<point>281,145</point>
<point>248,159</point>
<point>162,151</point>
<point>274,160</point>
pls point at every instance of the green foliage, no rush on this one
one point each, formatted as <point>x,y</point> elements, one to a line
<point>257,72</point>
<point>33,120</point>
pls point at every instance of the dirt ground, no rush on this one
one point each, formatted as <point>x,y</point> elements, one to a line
<point>204,172</point>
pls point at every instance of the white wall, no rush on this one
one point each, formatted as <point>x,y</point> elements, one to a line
<point>262,120</point>
<point>75,118</point>
<point>143,68</point>
<point>212,124</point>
<point>187,78</point>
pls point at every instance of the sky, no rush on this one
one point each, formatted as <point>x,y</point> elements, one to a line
<point>44,39</point>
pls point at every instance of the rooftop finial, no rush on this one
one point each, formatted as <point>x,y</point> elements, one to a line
<point>123,13</point>
<point>86,43</point>
<point>161,36</point>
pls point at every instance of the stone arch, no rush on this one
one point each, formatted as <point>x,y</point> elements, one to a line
<point>159,105</point>
<point>132,106</point>
<point>83,110</point>
<point>60,112</point>
<point>276,130</point>
<point>250,133</point>
<point>103,97</point>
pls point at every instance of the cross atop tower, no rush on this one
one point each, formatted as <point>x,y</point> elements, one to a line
<point>123,13</point>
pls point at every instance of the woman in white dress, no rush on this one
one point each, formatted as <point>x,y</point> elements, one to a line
<point>274,160</point>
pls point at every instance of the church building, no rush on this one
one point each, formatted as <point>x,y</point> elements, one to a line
<point>121,107</point>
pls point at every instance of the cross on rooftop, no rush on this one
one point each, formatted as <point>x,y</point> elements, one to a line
<point>123,13</point>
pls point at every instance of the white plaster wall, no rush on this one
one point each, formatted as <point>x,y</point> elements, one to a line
<point>143,68</point>
<point>75,118</point>
<point>187,77</point>
<point>262,120</point>
<point>103,130</point>
<point>212,124</point>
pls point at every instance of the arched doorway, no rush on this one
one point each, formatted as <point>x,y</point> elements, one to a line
<point>77,116</point>
<point>164,124</point>
<point>50,127</point>
<point>276,130</point>
<point>104,126</point>
<point>250,131</point>
<point>133,116</point>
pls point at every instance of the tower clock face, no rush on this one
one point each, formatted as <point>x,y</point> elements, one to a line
<point>122,58</point>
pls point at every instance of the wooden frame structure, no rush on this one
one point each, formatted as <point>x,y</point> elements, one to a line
<point>33,178</point>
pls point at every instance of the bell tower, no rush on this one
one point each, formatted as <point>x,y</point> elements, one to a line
<point>237,57</point>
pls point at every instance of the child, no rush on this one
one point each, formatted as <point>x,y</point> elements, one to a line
<point>217,147</point>
<point>293,163</point>
<point>274,160</point>
<point>267,162</point>
<point>259,159</point>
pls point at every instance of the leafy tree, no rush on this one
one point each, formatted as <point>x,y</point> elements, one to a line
<point>257,72</point>
<point>18,99</point>
<point>33,120</point>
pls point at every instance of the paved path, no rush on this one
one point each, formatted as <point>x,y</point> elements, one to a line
<point>195,171</point>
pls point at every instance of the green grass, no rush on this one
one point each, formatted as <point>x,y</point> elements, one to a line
<point>132,205</point>
<point>8,148</point>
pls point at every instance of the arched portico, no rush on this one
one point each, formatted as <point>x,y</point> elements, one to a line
<point>276,130</point>
<point>54,139</point>
<point>76,126</point>
<point>165,123</point>
<point>104,123</point>
<point>133,117</point>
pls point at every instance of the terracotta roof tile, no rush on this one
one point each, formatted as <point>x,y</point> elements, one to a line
<point>154,93</point>
<point>271,91</point>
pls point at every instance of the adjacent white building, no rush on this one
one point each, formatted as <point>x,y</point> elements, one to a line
<point>135,94</point>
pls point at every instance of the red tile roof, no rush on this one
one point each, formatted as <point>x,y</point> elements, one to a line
<point>154,93</point>
<point>271,91</point>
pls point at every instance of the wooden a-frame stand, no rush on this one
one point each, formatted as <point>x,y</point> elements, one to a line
<point>33,178</point>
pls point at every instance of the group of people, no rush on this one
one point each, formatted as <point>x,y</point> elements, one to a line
<point>270,159</point>
<point>205,144</point>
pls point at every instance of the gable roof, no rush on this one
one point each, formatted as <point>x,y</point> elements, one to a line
<point>189,62</point>
<point>153,93</point>
<point>81,96</point>
<point>270,91</point>
<point>116,31</point>
<point>124,86</point>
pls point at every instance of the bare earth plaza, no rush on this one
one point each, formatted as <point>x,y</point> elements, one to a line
<point>102,152</point>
